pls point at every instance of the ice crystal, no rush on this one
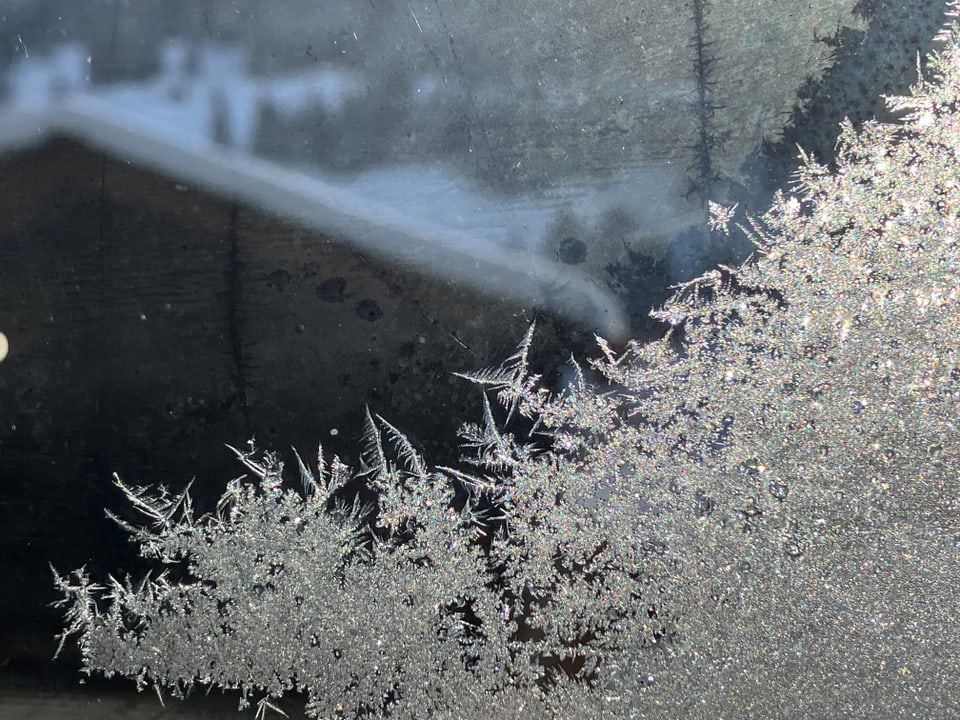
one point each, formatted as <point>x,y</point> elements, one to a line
<point>761,501</point>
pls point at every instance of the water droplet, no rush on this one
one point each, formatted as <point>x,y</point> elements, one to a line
<point>703,505</point>
<point>793,548</point>
<point>779,490</point>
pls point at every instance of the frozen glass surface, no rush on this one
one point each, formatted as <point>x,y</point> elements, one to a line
<point>521,150</point>
<point>236,219</point>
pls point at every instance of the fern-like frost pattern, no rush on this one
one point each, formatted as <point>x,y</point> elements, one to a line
<point>723,518</point>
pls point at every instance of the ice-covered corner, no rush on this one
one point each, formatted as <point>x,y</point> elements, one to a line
<point>197,120</point>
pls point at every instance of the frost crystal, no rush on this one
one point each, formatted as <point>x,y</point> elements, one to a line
<point>761,503</point>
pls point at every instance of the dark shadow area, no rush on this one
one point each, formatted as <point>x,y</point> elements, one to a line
<point>866,66</point>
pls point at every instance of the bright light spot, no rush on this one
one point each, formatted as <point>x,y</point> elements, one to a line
<point>4,346</point>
